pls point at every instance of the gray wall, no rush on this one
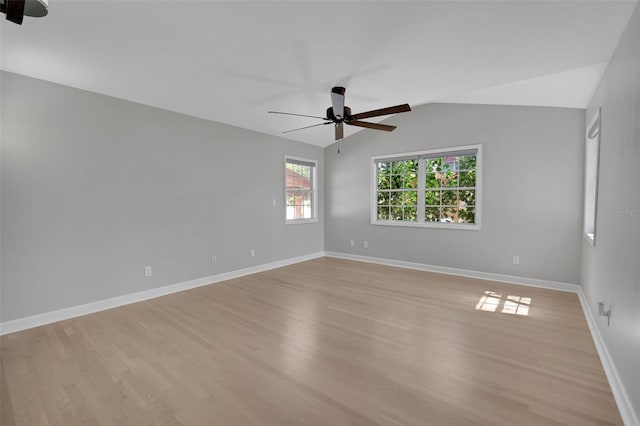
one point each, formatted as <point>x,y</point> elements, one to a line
<point>611,269</point>
<point>531,192</point>
<point>94,189</point>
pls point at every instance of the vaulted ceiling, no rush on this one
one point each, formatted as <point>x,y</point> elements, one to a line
<point>232,62</point>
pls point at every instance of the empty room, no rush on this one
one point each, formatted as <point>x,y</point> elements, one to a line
<point>319,212</point>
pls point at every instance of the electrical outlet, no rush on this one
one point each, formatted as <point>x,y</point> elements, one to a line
<point>516,260</point>
<point>352,243</point>
<point>253,252</point>
<point>605,312</point>
<point>147,271</point>
<point>365,244</point>
<point>274,203</point>
<point>214,259</point>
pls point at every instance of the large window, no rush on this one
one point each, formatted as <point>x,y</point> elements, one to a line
<point>591,162</point>
<point>436,188</point>
<point>300,190</point>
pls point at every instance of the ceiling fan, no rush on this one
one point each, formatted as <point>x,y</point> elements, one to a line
<point>339,114</point>
<point>16,10</point>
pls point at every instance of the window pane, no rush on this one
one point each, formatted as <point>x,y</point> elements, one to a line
<point>467,162</point>
<point>467,198</point>
<point>411,180</point>
<point>384,169</point>
<point>449,214</point>
<point>433,180</point>
<point>411,174</point>
<point>384,182</point>
<point>466,215</point>
<point>432,198</point>
<point>397,167</point>
<point>449,179</point>
<point>410,214</point>
<point>396,198</point>
<point>383,198</point>
<point>432,214</point>
<point>448,164</point>
<point>410,198</point>
<point>396,182</point>
<point>383,212</point>
<point>468,178</point>
<point>298,177</point>
<point>449,198</point>
<point>290,198</point>
<point>396,213</point>
<point>303,180</point>
<point>434,165</point>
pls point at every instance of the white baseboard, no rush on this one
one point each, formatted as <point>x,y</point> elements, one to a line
<point>629,417</point>
<point>531,282</point>
<point>620,395</point>
<point>101,305</point>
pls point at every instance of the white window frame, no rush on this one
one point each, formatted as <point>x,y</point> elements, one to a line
<point>314,189</point>
<point>591,172</point>
<point>421,223</point>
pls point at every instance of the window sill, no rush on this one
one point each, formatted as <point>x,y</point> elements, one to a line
<point>435,225</point>
<point>300,221</point>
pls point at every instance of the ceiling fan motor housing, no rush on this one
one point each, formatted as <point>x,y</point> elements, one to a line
<point>331,116</point>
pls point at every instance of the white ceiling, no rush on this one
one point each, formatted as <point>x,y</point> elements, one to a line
<point>232,62</point>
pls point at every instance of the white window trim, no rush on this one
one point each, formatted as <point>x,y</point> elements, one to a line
<point>590,208</point>
<point>314,189</point>
<point>436,225</point>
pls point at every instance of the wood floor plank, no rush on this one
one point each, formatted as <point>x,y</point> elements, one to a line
<point>326,341</point>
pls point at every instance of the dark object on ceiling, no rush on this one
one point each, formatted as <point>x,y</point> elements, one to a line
<point>339,114</point>
<point>16,10</point>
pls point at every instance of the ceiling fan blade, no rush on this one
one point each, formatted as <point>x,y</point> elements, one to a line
<point>339,131</point>
<point>299,115</point>
<point>15,11</point>
<point>374,126</point>
<point>337,101</point>
<point>306,127</point>
<point>383,111</point>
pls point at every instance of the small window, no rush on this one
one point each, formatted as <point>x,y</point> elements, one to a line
<point>591,166</point>
<point>300,190</point>
<point>436,188</point>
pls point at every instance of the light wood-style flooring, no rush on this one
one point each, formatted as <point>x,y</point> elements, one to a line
<point>324,342</point>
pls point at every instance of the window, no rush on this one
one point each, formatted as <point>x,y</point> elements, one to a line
<point>591,165</point>
<point>436,188</point>
<point>300,190</point>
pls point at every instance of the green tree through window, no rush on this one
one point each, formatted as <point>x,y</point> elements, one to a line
<point>397,190</point>
<point>429,188</point>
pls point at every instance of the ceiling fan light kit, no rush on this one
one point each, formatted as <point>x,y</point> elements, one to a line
<point>18,9</point>
<point>338,114</point>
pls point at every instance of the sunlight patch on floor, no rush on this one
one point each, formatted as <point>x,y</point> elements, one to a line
<point>491,301</point>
